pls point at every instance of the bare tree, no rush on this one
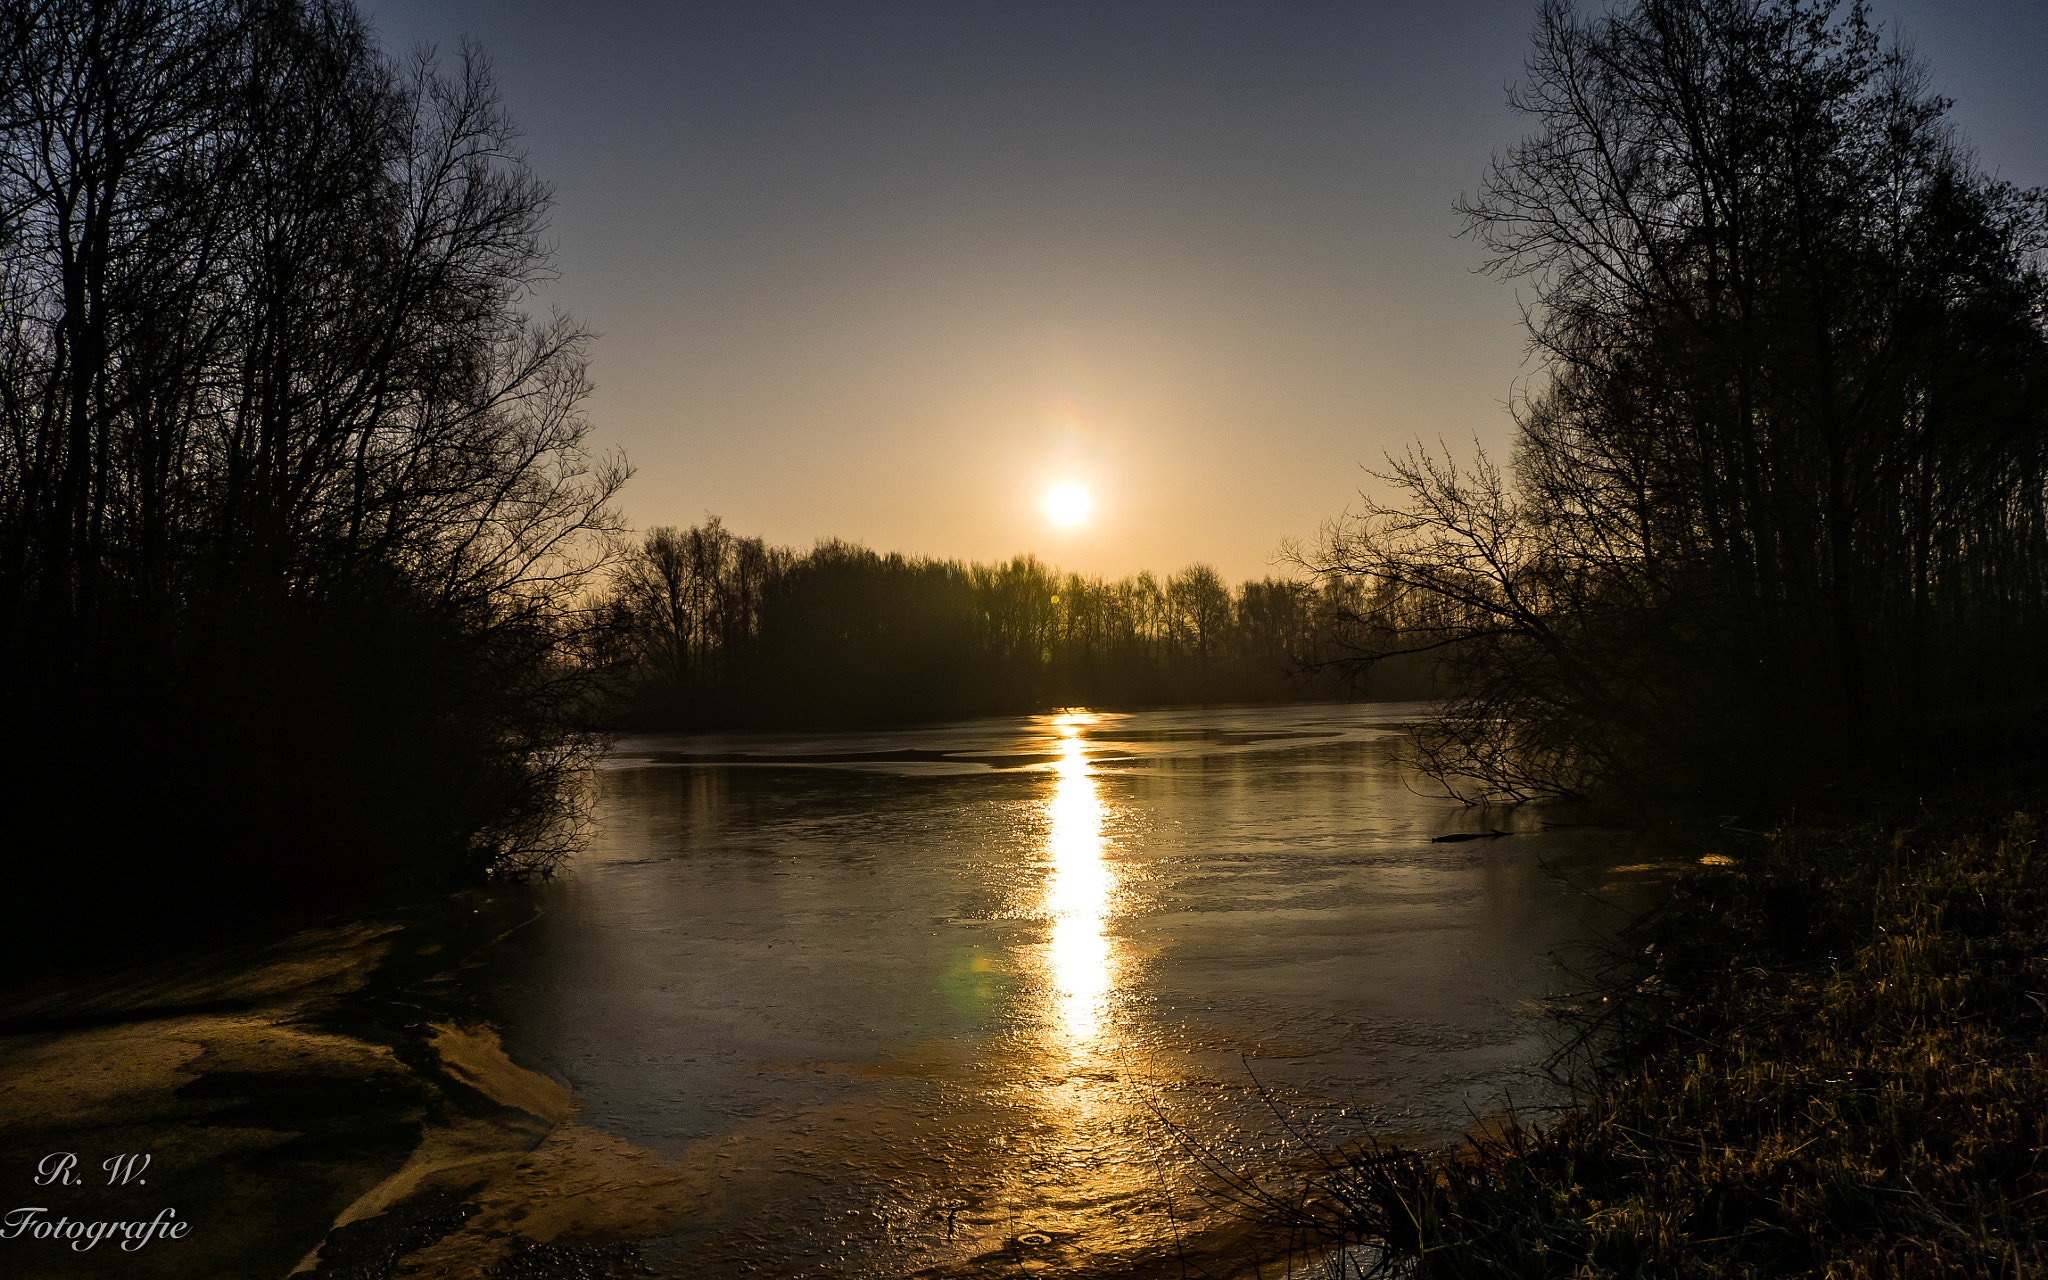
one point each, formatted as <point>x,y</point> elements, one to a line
<point>1199,612</point>
<point>282,450</point>
<point>1773,504</point>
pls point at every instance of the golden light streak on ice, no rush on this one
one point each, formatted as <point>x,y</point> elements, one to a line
<point>1077,897</point>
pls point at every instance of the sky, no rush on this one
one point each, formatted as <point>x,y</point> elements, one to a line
<point>891,272</point>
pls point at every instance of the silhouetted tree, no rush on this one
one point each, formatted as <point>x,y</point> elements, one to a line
<point>852,637</point>
<point>1781,499</point>
<point>690,602</point>
<point>843,635</point>
<point>293,494</point>
<point>1198,612</point>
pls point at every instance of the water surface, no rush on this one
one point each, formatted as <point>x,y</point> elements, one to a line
<point>981,998</point>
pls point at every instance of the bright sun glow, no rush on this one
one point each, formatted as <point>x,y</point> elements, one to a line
<point>1068,504</point>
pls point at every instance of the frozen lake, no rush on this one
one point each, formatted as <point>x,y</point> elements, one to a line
<point>974,999</point>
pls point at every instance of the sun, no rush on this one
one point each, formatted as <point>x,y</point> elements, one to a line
<point>1068,504</point>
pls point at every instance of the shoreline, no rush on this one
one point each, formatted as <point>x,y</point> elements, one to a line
<point>1831,1057</point>
<point>327,1105</point>
<point>297,1120</point>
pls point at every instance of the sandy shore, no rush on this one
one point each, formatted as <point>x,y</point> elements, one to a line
<point>305,1107</point>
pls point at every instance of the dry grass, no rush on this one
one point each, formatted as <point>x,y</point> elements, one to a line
<point>1828,1060</point>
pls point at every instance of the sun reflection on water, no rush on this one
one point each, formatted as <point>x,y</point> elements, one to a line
<point>1077,896</point>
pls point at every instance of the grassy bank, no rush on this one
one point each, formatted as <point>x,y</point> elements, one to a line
<point>1826,1058</point>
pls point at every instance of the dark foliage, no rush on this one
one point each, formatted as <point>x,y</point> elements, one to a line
<point>1776,527</point>
<point>713,629</point>
<point>1779,515</point>
<point>294,506</point>
<point>1827,1060</point>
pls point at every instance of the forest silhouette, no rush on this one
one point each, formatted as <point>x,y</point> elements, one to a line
<point>1772,535</point>
<point>311,588</point>
<point>1776,514</point>
<point>307,587</point>
<point>296,513</point>
<point>705,628</point>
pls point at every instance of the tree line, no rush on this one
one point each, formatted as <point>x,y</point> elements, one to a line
<point>709,628</point>
<point>1777,515</point>
<point>296,513</point>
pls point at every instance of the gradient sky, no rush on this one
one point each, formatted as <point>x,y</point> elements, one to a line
<point>888,271</point>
